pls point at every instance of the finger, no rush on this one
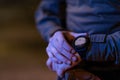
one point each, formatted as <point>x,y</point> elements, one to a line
<point>56,60</point>
<point>48,52</point>
<point>59,73</point>
<point>61,48</point>
<point>64,45</point>
<point>52,56</point>
<point>61,40</point>
<point>60,44</point>
<point>78,57</point>
<point>62,68</point>
<point>63,51</point>
<point>70,56</point>
<point>55,66</point>
<point>49,64</point>
<point>59,56</point>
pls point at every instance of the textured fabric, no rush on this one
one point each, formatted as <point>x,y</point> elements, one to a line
<point>108,51</point>
<point>94,17</point>
<point>47,18</point>
<point>91,16</point>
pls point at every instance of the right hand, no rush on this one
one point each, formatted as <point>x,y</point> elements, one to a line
<point>61,53</point>
<point>59,49</point>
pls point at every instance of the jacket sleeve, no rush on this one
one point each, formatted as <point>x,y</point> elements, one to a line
<point>108,51</point>
<point>114,46</point>
<point>47,18</point>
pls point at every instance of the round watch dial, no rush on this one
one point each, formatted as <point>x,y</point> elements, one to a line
<point>80,41</point>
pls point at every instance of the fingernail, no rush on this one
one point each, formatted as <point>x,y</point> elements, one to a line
<point>74,58</point>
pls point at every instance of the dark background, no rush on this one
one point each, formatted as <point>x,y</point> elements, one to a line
<point>22,50</point>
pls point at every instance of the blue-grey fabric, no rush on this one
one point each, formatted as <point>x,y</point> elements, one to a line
<point>106,51</point>
<point>92,16</point>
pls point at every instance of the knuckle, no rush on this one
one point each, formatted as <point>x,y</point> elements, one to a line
<point>54,59</point>
<point>50,39</point>
<point>47,63</point>
<point>54,51</point>
<point>49,55</point>
<point>61,47</point>
<point>64,59</point>
<point>47,49</point>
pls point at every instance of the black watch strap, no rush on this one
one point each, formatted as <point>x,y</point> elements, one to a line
<point>81,45</point>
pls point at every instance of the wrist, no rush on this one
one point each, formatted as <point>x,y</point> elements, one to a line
<point>59,30</point>
<point>81,45</point>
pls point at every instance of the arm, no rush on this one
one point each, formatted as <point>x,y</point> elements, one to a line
<point>108,51</point>
<point>60,53</point>
<point>47,18</point>
<point>114,46</point>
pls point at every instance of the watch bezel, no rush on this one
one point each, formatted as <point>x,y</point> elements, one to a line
<point>82,47</point>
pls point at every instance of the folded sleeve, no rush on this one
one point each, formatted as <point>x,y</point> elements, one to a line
<point>106,51</point>
<point>47,18</point>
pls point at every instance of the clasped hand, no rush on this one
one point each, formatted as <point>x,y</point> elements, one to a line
<point>61,55</point>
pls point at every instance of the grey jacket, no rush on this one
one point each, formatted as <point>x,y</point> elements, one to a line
<point>99,18</point>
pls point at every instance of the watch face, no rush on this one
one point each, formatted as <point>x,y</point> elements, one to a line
<point>80,41</point>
